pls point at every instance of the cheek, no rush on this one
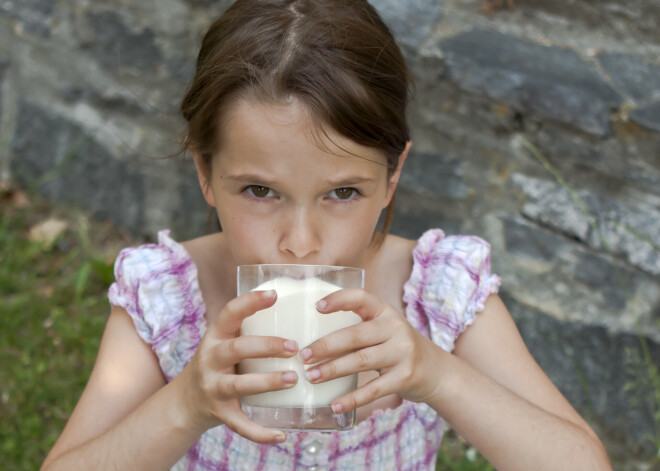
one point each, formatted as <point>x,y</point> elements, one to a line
<point>246,235</point>
<point>248,229</point>
<point>356,234</point>
<point>249,245</point>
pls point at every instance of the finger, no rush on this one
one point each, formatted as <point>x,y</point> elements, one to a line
<point>366,359</point>
<point>232,386</point>
<point>231,351</point>
<point>241,424</point>
<point>373,390</point>
<point>343,341</point>
<point>366,305</point>
<point>229,321</point>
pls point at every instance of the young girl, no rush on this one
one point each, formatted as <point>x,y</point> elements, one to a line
<point>296,122</point>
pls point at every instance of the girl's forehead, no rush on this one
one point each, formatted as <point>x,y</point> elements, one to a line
<point>254,130</point>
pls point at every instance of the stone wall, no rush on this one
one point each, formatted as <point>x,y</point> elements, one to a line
<point>536,127</point>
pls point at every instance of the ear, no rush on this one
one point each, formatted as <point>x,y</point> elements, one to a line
<point>203,175</point>
<point>394,178</point>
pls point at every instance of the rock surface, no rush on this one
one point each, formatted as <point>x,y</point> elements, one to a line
<point>545,81</point>
<point>536,128</point>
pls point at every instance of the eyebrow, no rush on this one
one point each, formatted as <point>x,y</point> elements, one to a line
<point>252,178</point>
<point>351,181</point>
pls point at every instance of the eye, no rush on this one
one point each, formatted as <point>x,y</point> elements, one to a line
<point>258,191</point>
<point>343,193</point>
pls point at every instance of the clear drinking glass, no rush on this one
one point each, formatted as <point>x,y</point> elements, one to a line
<point>305,406</point>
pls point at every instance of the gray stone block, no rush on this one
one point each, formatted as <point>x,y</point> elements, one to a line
<point>61,160</point>
<point>633,19</point>
<point>523,238</point>
<point>411,223</point>
<point>415,215</point>
<point>35,16</point>
<point>631,76</point>
<point>411,21</point>
<point>603,223</point>
<point>547,204</point>
<point>631,161</point>
<point>431,174</point>
<point>192,215</point>
<point>116,45</point>
<point>614,281</point>
<point>601,372</point>
<point>648,116</point>
<point>224,4</point>
<point>111,102</point>
<point>545,81</point>
<point>181,70</point>
<point>3,68</point>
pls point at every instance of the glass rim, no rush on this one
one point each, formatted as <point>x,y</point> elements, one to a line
<point>299,265</point>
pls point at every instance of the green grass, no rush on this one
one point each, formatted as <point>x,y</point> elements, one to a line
<point>53,308</point>
<point>52,313</point>
<point>456,455</point>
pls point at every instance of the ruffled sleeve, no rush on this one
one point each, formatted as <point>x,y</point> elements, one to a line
<point>449,284</point>
<point>157,286</point>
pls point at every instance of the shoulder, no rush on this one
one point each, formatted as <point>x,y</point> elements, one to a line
<point>449,283</point>
<point>399,249</point>
<point>148,261</point>
<point>200,248</point>
<point>434,247</point>
<point>156,284</point>
<point>462,261</point>
<point>391,269</point>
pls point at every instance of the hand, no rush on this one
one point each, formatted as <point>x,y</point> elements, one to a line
<point>211,386</point>
<point>405,360</point>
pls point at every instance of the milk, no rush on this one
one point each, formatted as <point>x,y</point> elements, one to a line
<point>294,316</point>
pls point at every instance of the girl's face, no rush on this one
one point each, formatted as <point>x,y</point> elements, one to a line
<point>282,198</point>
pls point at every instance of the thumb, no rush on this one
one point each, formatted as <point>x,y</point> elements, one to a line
<point>229,321</point>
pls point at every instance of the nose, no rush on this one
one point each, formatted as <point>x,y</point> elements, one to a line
<point>299,236</point>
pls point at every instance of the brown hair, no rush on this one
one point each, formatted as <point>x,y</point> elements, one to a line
<point>336,56</point>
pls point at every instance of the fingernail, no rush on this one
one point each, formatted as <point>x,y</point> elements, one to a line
<point>270,294</point>
<point>313,374</point>
<point>280,437</point>
<point>321,304</point>
<point>291,345</point>
<point>337,408</point>
<point>290,377</point>
<point>305,354</point>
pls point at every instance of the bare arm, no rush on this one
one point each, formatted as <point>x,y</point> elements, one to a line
<point>490,390</point>
<point>126,417</point>
<point>498,398</point>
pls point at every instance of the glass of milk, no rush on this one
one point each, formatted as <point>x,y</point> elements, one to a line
<point>305,406</point>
